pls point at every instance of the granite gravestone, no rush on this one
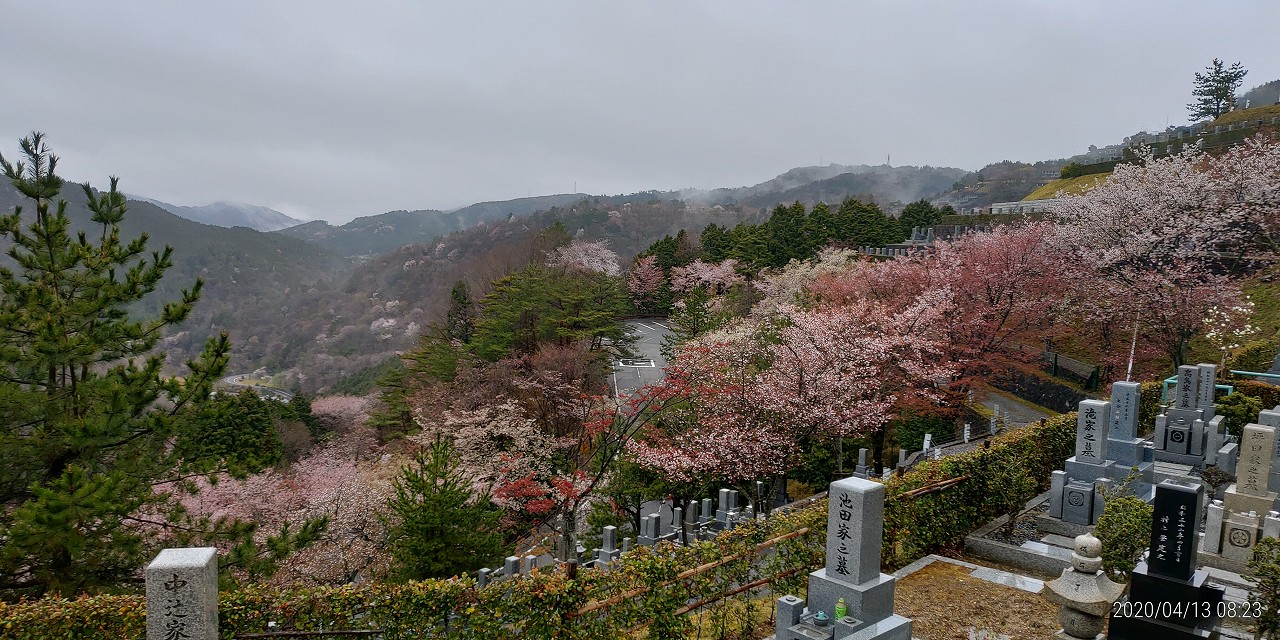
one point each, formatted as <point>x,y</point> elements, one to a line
<point>1234,525</point>
<point>1271,418</point>
<point>182,594</point>
<point>609,552</point>
<point>1075,493</point>
<point>1189,433</point>
<point>1169,597</point>
<point>855,526</point>
<point>1132,456</point>
<point>727,509</point>
<point>862,470</point>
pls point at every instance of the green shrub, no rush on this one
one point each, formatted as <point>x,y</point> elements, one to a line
<point>920,525</point>
<point>541,605</point>
<point>1256,356</point>
<point>1238,410</point>
<point>1125,530</point>
<point>1264,572</point>
<point>1071,170</point>
<point>1149,406</point>
<point>1269,394</point>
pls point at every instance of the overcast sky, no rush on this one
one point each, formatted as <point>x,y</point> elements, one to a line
<point>332,110</point>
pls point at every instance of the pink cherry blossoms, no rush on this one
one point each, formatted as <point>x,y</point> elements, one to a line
<point>586,255</point>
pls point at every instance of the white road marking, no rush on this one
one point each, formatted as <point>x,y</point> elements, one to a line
<point>637,362</point>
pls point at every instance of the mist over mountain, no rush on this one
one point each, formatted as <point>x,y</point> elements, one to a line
<point>251,278</point>
<point>1260,96</point>
<point>835,182</point>
<point>229,214</point>
<point>372,235</point>
<point>296,301</point>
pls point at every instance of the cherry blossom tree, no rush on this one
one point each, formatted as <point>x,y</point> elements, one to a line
<point>790,285</point>
<point>703,298</point>
<point>331,483</point>
<point>715,278</point>
<point>1004,290</point>
<point>1161,233</point>
<point>647,285</point>
<point>838,371</point>
<point>532,433</point>
<point>1152,215</point>
<point>707,421</point>
<point>586,255</point>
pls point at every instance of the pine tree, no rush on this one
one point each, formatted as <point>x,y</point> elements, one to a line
<point>786,234</point>
<point>1215,90</point>
<point>918,214</point>
<point>86,418</point>
<point>820,228</point>
<point>238,429</point>
<point>441,528</point>
<point>461,317</point>
<point>716,243</point>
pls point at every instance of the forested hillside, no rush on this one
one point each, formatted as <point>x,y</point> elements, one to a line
<point>253,282</point>
<point>371,235</point>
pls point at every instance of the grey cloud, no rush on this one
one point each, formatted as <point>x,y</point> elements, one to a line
<point>329,109</point>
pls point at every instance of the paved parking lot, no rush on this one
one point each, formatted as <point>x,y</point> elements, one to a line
<point>646,368</point>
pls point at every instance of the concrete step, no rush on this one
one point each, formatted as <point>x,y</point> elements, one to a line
<point>1030,585</point>
<point>1059,541</point>
<point>1047,549</point>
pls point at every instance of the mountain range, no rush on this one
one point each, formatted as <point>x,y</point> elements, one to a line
<point>228,214</point>
<point>318,302</point>
<point>371,235</point>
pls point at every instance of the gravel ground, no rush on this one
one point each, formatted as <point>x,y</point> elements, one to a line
<point>945,602</point>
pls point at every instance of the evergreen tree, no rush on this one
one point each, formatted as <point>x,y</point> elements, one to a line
<point>1215,90</point>
<point>820,228</point>
<point>86,418</point>
<point>750,246</point>
<point>460,318</point>
<point>786,234</point>
<point>716,243</point>
<point>537,306</point>
<point>665,252</point>
<point>918,214</point>
<point>865,225</point>
<point>687,250</point>
<point>441,528</point>
<point>392,415</point>
<point>237,429</point>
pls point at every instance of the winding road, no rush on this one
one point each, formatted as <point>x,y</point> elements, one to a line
<point>263,392</point>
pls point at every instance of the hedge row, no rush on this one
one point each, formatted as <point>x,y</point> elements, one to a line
<point>541,605</point>
<point>1268,393</point>
<point>923,524</point>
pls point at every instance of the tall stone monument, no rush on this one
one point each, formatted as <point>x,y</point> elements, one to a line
<point>855,526</point>
<point>182,594</point>
<point>1271,418</point>
<point>1130,454</point>
<point>1168,597</point>
<point>1108,450</point>
<point>1189,433</point>
<point>1246,514</point>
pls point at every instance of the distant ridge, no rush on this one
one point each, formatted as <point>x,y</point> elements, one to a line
<point>229,214</point>
<point>372,235</point>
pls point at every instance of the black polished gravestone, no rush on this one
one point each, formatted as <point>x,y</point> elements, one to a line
<point>1168,597</point>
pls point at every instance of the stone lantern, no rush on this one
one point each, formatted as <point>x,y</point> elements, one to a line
<point>1084,592</point>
